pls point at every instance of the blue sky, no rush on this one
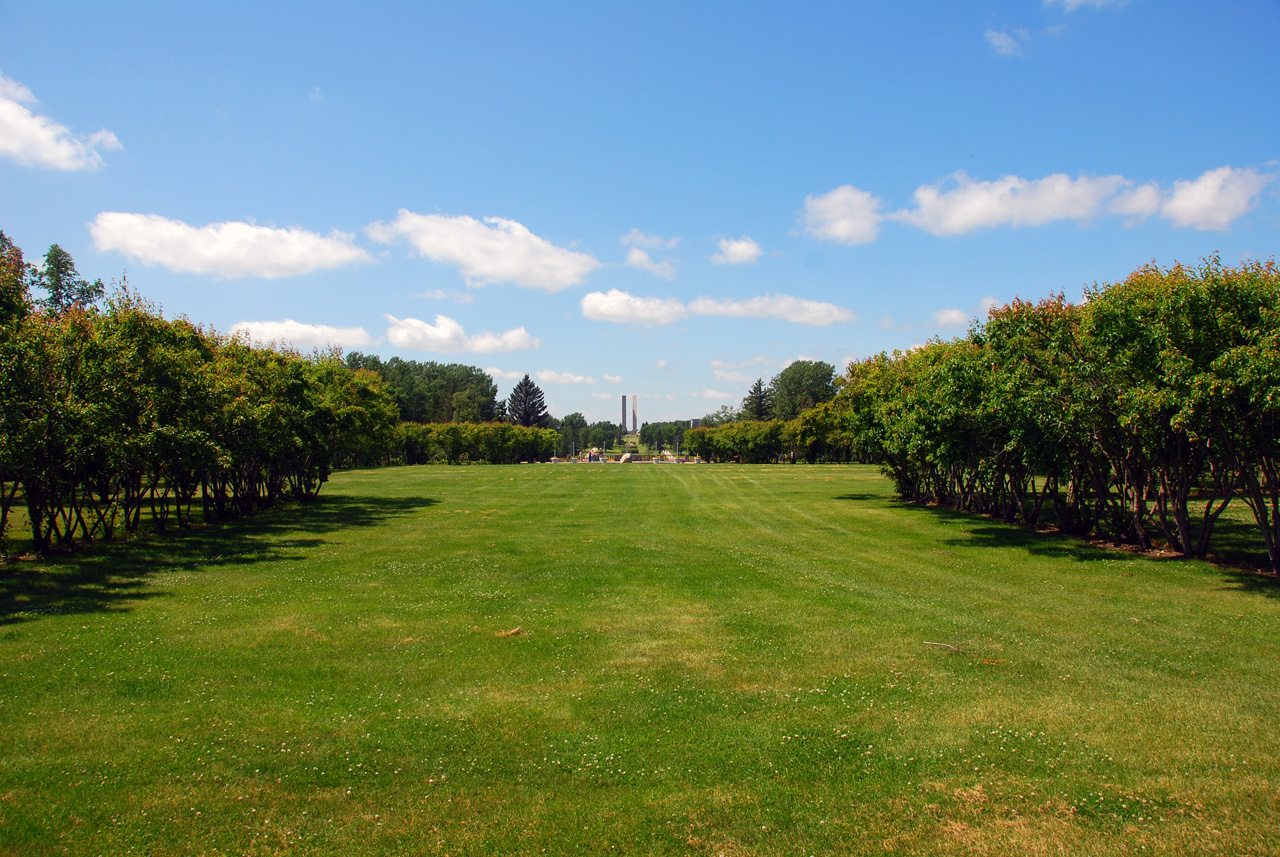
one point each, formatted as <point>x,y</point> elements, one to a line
<point>660,199</point>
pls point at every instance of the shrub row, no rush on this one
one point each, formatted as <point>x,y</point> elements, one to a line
<point>1146,408</point>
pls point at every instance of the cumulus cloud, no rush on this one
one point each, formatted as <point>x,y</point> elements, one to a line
<point>228,250</point>
<point>504,374</point>
<point>636,238</point>
<point>715,395</point>
<point>785,307</point>
<point>34,140</point>
<point>637,258</point>
<point>742,251</point>
<point>847,215</point>
<point>447,336</point>
<point>968,205</point>
<point>1007,44</point>
<point>1137,202</point>
<point>951,318</point>
<point>546,376</point>
<point>613,379</point>
<point>496,250</point>
<point>620,307</point>
<point>960,204</point>
<point>1214,200</point>
<point>302,336</point>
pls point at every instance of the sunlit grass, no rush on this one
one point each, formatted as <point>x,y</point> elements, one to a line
<point>633,659</point>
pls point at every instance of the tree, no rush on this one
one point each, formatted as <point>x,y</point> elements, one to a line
<point>758,405</point>
<point>63,283</point>
<point>525,405</point>
<point>800,386</point>
<point>14,300</point>
<point>569,429</point>
<point>720,416</point>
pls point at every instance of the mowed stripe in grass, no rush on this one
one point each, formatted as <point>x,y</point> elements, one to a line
<point>709,659</point>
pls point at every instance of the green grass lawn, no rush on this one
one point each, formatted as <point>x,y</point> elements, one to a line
<point>710,660</point>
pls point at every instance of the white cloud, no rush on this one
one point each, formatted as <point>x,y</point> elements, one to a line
<point>636,238</point>
<point>1008,44</point>
<point>951,318</point>
<point>34,140</point>
<point>732,375</point>
<point>742,251</point>
<point>604,396</point>
<point>446,335</point>
<point>637,258</point>
<point>847,215</point>
<point>546,376</point>
<point>784,307</point>
<point>442,295</point>
<point>661,364</point>
<point>1138,203</point>
<point>613,379</point>
<point>506,375</point>
<point>302,336</point>
<point>1215,199</point>
<point>621,307</point>
<point>228,250</point>
<point>1008,201</point>
<point>494,251</point>
<point>716,395</point>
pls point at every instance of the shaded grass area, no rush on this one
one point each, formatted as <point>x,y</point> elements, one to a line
<point>714,659</point>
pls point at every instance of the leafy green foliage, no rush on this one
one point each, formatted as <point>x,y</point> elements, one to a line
<point>799,387</point>
<point>105,414</point>
<point>1147,409</point>
<point>434,392</point>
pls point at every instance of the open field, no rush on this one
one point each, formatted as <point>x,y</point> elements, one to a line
<point>713,659</point>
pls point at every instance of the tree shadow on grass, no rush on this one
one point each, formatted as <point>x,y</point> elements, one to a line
<point>1237,549</point>
<point>107,577</point>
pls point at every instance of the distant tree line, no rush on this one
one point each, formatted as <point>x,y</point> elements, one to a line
<point>108,410</point>
<point>434,392</point>
<point>1145,409</point>
<point>765,427</point>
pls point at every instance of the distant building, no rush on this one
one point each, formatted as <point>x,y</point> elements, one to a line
<point>624,413</point>
<point>694,423</point>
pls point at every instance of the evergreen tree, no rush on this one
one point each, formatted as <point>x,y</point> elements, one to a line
<point>526,406</point>
<point>758,405</point>
<point>65,287</point>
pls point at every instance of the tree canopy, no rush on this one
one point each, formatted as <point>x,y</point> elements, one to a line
<point>1145,409</point>
<point>801,386</point>
<point>433,392</point>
